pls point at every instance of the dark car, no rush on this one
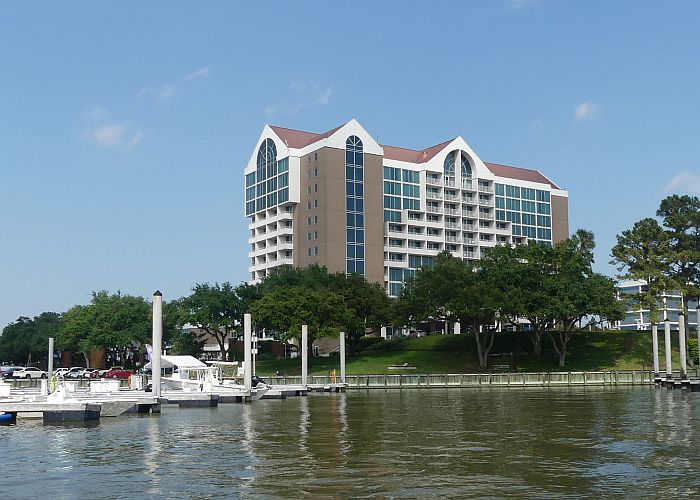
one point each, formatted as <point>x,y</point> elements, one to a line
<point>7,371</point>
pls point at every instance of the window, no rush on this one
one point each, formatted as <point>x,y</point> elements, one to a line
<point>410,176</point>
<point>449,168</point>
<point>392,173</point>
<point>354,202</point>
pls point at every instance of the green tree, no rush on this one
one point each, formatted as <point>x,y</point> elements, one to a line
<point>681,218</point>
<point>642,253</point>
<point>218,311</point>
<point>27,339</point>
<point>285,310</point>
<point>110,321</point>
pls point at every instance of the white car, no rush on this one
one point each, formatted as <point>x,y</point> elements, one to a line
<point>60,372</point>
<point>29,372</point>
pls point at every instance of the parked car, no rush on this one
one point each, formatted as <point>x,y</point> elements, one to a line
<point>29,372</point>
<point>74,372</point>
<point>60,372</point>
<point>90,373</point>
<point>118,372</point>
<point>8,370</point>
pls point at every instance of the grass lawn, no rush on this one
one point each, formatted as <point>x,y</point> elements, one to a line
<point>588,351</point>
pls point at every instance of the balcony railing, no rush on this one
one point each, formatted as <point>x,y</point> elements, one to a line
<point>435,181</point>
<point>467,184</point>
<point>434,195</point>
<point>451,197</point>
<point>452,225</point>
<point>470,255</point>
<point>486,203</point>
<point>485,215</point>
<point>434,210</point>
<point>485,189</point>
<point>468,227</point>
<point>451,211</point>
<point>469,241</point>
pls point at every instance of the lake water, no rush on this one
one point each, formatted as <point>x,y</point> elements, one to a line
<point>543,443</point>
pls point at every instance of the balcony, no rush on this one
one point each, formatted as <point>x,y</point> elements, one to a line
<point>467,184</point>
<point>432,209</point>
<point>435,181</point>
<point>469,213</point>
<point>470,255</point>
<point>485,188</point>
<point>435,195</point>
<point>451,211</point>
<point>469,241</point>
<point>486,215</point>
<point>468,199</point>
<point>468,227</point>
<point>451,197</point>
<point>451,239</point>
<point>486,203</point>
<point>452,225</point>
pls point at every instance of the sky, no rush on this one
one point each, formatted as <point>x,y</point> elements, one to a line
<point>125,126</point>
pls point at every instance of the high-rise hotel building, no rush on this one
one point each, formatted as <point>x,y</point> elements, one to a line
<point>341,200</point>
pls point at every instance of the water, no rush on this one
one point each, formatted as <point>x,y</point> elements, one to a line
<point>537,443</point>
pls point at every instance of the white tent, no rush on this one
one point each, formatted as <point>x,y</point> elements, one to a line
<point>178,362</point>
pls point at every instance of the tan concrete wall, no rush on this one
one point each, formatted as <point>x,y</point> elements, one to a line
<point>560,218</point>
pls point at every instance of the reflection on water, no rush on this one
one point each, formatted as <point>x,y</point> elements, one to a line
<point>526,443</point>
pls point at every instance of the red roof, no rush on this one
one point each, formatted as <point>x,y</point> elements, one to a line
<point>298,139</point>
<point>523,174</point>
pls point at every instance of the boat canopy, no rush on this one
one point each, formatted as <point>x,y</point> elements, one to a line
<point>178,362</point>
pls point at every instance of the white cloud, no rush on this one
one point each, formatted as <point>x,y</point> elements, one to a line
<point>324,97</point>
<point>684,182</point>
<point>586,111</point>
<point>200,73</point>
<point>108,135</point>
<point>166,93</point>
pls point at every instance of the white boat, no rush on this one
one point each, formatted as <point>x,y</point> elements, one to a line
<point>186,373</point>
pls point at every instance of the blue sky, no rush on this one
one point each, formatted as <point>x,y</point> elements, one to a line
<point>125,126</point>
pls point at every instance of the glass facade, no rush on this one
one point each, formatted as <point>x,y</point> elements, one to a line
<point>401,192</point>
<point>268,186</point>
<point>354,204</point>
<point>528,217</point>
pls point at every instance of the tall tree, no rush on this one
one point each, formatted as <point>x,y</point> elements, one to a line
<point>642,253</point>
<point>26,339</point>
<point>681,218</point>
<point>285,310</point>
<point>217,310</point>
<point>118,322</point>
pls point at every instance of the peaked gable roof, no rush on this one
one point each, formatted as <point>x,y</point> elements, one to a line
<point>523,174</point>
<point>411,155</point>
<point>298,139</point>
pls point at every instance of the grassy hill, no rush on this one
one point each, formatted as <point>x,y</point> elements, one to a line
<point>589,351</point>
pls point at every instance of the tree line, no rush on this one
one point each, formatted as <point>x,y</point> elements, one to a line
<point>546,291</point>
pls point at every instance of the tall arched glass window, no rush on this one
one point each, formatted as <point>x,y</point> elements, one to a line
<point>267,160</point>
<point>449,167</point>
<point>466,172</point>
<point>354,206</point>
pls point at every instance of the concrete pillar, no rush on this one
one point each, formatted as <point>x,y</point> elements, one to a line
<point>655,349</point>
<point>50,358</point>
<point>667,348</point>
<point>458,328</point>
<point>247,352</point>
<point>681,345</point>
<point>342,357</point>
<point>304,356</point>
<point>157,341</point>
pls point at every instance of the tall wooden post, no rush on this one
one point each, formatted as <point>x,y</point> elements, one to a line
<point>157,341</point>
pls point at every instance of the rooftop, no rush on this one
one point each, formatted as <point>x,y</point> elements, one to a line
<point>299,139</point>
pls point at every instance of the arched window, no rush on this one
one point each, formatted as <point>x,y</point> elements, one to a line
<point>466,168</point>
<point>449,167</point>
<point>354,203</point>
<point>267,160</point>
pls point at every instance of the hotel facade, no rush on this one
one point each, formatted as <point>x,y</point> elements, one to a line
<point>340,199</point>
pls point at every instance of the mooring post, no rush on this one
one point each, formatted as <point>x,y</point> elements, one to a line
<point>247,353</point>
<point>342,357</point>
<point>667,348</point>
<point>50,358</point>
<point>655,349</point>
<point>697,327</point>
<point>681,346</point>
<point>157,341</point>
<point>304,356</point>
